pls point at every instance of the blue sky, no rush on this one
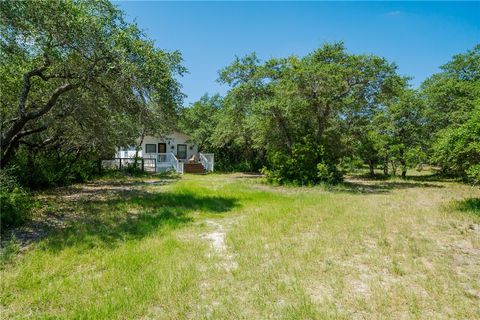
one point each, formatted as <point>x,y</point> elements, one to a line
<point>417,36</point>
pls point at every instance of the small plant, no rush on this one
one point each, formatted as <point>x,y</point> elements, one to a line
<point>471,205</point>
<point>8,250</point>
<point>15,202</point>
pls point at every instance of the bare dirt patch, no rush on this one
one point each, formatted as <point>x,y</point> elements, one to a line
<point>217,239</point>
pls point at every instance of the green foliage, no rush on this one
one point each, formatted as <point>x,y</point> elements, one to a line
<point>199,121</point>
<point>399,131</point>
<point>273,105</point>
<point>351,164</point>
<point>50,167</point>
<point>306,163</point>
<point>77,81</point>
<point>473,173</point>
<point>452,107</point>
<point>453,93</point>
<point>471,205</point>
<point>8,251</point>
<point>457,150</point>
<point>15,202</point>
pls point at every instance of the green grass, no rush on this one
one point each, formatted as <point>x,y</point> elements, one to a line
<point>233,247</point>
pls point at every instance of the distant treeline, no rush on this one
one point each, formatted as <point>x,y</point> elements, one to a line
<point>308,119</point>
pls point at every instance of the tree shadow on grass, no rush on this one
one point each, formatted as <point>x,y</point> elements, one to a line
<point>382,186</point>
<point>470,205</point>
<point>433,177</point>
<point>132,216</point>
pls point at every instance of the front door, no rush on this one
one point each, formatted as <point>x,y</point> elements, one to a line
<point>182,151</point>
<point>162,148</point>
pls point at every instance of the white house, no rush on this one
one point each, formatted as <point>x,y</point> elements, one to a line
<point>175,151</point>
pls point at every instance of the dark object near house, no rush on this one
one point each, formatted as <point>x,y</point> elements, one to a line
<point>193,168</point>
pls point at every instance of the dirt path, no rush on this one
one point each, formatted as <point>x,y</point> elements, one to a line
<point>217,237</point>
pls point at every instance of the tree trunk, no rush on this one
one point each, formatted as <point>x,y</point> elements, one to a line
<point>404,168</point>
<point>371,167</point>
<point>385,166</point>
<point>394,168</point>
<point>11,137</point>
<point>282,126</point>
<point>403,163</point>
<point>30,166</point>
<point>137,149</point>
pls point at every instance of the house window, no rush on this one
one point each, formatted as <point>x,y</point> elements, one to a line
<point>150,148</point>
<point>182,151</point>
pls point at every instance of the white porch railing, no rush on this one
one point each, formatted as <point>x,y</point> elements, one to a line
<point>163,157</point>
<point>165,160</point>
<point>177,165</point>
<point>207,160</point>
<point>171,159</point>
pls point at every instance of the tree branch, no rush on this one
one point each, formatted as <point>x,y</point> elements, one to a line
<point>41,144</point>
<point>27,84</point>
<point>9,141</point>
<point>53,99</point>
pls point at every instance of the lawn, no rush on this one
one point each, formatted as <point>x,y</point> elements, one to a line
<point>233,247</point>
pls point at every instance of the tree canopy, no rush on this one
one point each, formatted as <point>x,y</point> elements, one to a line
<point>76,75</point>
<point>77,81</point>
<point>303,118</point>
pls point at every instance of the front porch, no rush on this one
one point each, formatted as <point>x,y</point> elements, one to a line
<point>203,162</point>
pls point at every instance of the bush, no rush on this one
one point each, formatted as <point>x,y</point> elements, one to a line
<point>473,173</point>
<point>457,150</point>
<point>46,169</point>
<point>15,202</point>
<point>305,164</point>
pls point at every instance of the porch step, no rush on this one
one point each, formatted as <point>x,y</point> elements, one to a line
<point>193,168</point>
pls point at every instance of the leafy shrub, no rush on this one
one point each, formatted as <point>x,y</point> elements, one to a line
<point>305,164</point>
<point>457,150</point>
<point>15,202</point>
<point>473,173</point>
<point>46,169</point>
<point>328,173</point>
<point>135,169</point>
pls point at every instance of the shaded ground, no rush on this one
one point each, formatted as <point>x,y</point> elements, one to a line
<point>63,210</point>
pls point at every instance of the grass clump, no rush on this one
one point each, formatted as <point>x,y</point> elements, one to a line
<point>471,205</point>
<point>8,250</point>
